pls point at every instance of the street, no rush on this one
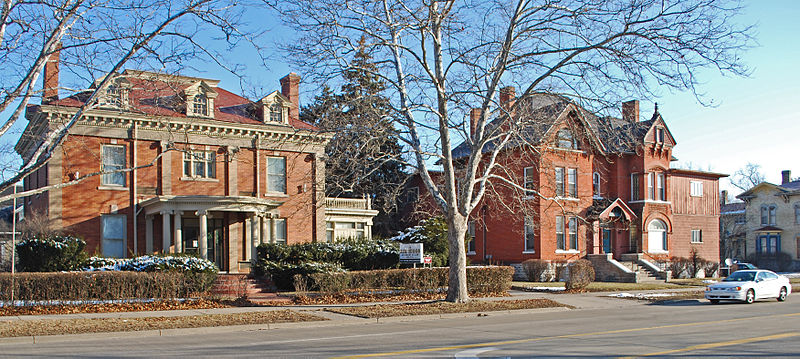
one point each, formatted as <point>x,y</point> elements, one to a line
<point>627,328</point>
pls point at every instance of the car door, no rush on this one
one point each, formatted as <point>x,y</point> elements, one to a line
<point>765,286</point>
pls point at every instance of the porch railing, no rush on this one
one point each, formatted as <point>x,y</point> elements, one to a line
<point>347,203</point>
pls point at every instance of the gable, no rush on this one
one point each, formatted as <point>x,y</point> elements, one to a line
<point>573,120</point>
<point>659,133</point>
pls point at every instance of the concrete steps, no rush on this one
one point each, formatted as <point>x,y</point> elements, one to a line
<point>242,285</point>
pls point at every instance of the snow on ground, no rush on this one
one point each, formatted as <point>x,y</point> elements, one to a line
<point>641,295</point>
<point>546,289</point>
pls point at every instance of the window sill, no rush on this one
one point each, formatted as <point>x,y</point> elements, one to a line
<point>571,251</point>
<point>528,252</point>
<point>199,179</point>
<point>471,253</point>
<point>659,252</point>
<point>569,199</point>
<point>112,188</point>
<point>276,194</point>
<point>696,242</point>
<point>529,197</point>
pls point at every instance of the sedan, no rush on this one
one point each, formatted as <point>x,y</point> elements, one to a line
<point>749,286</point>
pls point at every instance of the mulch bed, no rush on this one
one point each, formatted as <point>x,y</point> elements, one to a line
<point>112,307</point>
<point>440,307</point>
<point>17,328</point>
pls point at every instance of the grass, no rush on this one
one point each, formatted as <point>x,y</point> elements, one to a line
<point>611,286</point>
<point>18,328</point>
<point>440,307</point>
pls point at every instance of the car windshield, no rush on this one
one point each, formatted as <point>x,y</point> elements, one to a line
<point>740,277</point>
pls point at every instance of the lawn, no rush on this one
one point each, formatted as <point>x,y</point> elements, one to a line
<point>441,307</point>
<point>608,286</point>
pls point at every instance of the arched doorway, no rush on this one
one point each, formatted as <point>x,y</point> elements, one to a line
<point>657,236</point>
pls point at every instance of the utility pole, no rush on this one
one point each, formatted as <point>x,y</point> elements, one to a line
<point>13,241</point>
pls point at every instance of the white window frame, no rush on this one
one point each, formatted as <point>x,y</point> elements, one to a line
<point>528,180</point>
<point>206,159</point>
<point>573,233</point>
<point>111,179</point>
<point>696,188</point>
<point>596,183</point>
<point>561,241</point>
<point>566,139</point>
<point>773,214</point>
<point>560,182</point>
<point>572,182</point>
<point>104,239</point>
<point>651,189</point>
<point>200,104</point>
<point>764,215</point>
<point>797,214</point>
<point>529,233</point>
<point>697,236</point>
<point>329,232</point>
<point>659,135</point>
<point>276,112</point>
<point>282,176</point>
<point>280,226</point>
<point>661,186</point>
<point>470,245</point>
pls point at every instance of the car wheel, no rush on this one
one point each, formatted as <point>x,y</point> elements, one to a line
<point>782,295</point>
<point>750,297</point>
<point>714,301</point>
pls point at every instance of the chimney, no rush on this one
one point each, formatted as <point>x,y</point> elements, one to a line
<point>50,93</point>
<point>630,111</point>
<point>290,89</point>
<point>474,116</point>
<point>723,197</point>
<point>786,177</point>
<point>507,96</point>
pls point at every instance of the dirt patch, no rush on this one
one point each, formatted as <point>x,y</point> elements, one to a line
<point>112,307</point>
<point>18,328</point>
<point>661,297</point>
<point>440,307</point>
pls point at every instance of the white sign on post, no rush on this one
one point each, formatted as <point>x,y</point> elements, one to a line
<point>411,252</point>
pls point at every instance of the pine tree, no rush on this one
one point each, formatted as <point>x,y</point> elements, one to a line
<point>363,157</point>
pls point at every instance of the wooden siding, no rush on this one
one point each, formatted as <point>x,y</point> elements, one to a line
<point>683,203</point>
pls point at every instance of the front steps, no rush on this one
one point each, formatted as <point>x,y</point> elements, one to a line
<point>235,286</point>
<point>631,269</point>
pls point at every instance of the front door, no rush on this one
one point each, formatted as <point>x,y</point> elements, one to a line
<point>215,239</point>
<point>606,241</point>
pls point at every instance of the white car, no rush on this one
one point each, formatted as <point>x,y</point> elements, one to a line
<point>749,286</point>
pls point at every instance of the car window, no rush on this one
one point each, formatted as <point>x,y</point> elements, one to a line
<point>768,275</point>
<point>740,276</point>
<point>761,276</point>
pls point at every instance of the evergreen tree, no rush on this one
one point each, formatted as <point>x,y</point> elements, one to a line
<point>363,157</point>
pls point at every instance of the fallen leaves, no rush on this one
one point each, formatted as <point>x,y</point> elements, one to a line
<point>111,307</point>
<point>440,307</point>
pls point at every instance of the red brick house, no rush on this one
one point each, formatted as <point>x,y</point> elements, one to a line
<point>601,188</point>
<point>207,163</point>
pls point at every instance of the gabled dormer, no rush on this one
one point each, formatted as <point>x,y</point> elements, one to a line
<point>658,134</point>
<point>571,131</point>
<point>116,95</point>
<point>199,100</point>
<point>274,109</point>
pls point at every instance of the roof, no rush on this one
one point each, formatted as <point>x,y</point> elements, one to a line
<point>769,229</point>
<point>786,189</point>
<point>680,171</point>
<point>158,95</point>
<point>732,208</point>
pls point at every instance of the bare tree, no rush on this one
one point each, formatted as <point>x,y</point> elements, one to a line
<point>91,39</point>
<point>439,59</point>
<point>747,177</point>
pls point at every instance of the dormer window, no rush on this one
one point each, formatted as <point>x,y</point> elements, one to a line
<point>659,135</point>
<point>273,109</point>
<point>200,100</point>
<point>200,105</point>
<point>276,113</point>
<point>115,95</point>
<point>566,139</point>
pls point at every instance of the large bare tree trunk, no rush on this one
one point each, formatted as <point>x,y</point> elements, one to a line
<point>457,282</point>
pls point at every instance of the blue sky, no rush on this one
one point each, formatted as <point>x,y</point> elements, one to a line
<point>755,119</point>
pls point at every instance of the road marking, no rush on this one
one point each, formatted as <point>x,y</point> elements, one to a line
<point>473,353</point>
<point>529,340</point>
<point>719,344</point>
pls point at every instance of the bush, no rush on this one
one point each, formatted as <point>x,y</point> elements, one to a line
<point>479,280</point>
<point>83,286</point>
<point>432,233</point>
<point>51,254</point>
<point>283,274</point>
<point>536,270</point>
<point>778,262</point>
<point>148,263</point>
<point>581,274</point>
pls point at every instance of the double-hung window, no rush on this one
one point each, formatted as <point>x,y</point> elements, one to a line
<point>113,160</point>
<point>280,230</point>
<point>797,213</point>
<point>200,105</point>
<point>651,192</point>
<point>572,180</point>
<point>697,236</point>
<point>660,185</point>
<point>276,174</point>
<point>560,241</point>
<point>573,233</point>
<point>596,183</point>
<point>528,180</point>
<point>772,214</point>
<point>559,181</point>
<point>530,234</point>
<point>696,189</point>
<point>276,113</point>
<point>635,190</point>
<point>199,164</point>
<point>471,237</point>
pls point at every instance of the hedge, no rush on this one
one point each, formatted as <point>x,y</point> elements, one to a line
<point>51,254</point>
<point>491,279</point>
<point>83,286</point>
<point>150,263</point>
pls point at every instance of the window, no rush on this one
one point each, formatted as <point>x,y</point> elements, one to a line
<point>659,135</point>
<point>797,214</point>
<point>797,246</point>
<point>200,105</point>
<point>651,194</point>
<point>276,174</point>
<point>573,233</point>
<point>276,113</point>
<point>113,235</point>
<point>740,219</point>
<point>696,189</point>
<point>528,179</point>
<point>329,232</point>
<point>114,96</point>
<point>361,230</point>
<point>559,181</point>
<point>471,237</point>
<point>635,195</point>
<point>662,191</point>
<point>560,244</point>
<point>280,230</point>
<point>572,179</point>
<point>764,214</point>
<point>697,236</point>
<point>596,183</point>
<point>772,210</point>
<point>657,236</point>
<point>412,195</point>
<point>566,139</point>
<point>113,160</point>
<point>200,164</point>
<point>530,234</point>
<point>768,243</point>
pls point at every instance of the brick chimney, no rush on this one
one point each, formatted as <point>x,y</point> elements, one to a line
<point>786,176</point>
<point>630,111</point>
<point>290,89</point>
<point>50,87</point>
<point>474,116</point>
<point>507,96</point>
<point>723,197</point>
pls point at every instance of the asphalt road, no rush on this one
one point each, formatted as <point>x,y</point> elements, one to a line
<point>687,329</point>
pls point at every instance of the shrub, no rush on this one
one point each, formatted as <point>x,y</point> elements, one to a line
<point>432,233</point>
<point>51,254</point>
<point>779,262</point>
<point>479,280</point>
<point>82,286</point>
<point>536,269</point>
<point>560,271</point>
<point>148,263</point>
<point>679,267</point>
<point>283,274</point>
<point>581,274</point>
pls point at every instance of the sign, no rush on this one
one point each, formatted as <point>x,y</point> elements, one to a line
<point>411,252</point>
<point>427,259</point>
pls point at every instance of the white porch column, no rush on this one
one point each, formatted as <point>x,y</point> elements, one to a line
<point>265,236</point>
<point>165,232</point>
<point>202,236</point>
<point>148,233</point>
<point>178,233</point>
<point>249,247</point>
<point>273,232</point>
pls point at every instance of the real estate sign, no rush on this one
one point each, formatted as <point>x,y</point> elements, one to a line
<point>411,252</point>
